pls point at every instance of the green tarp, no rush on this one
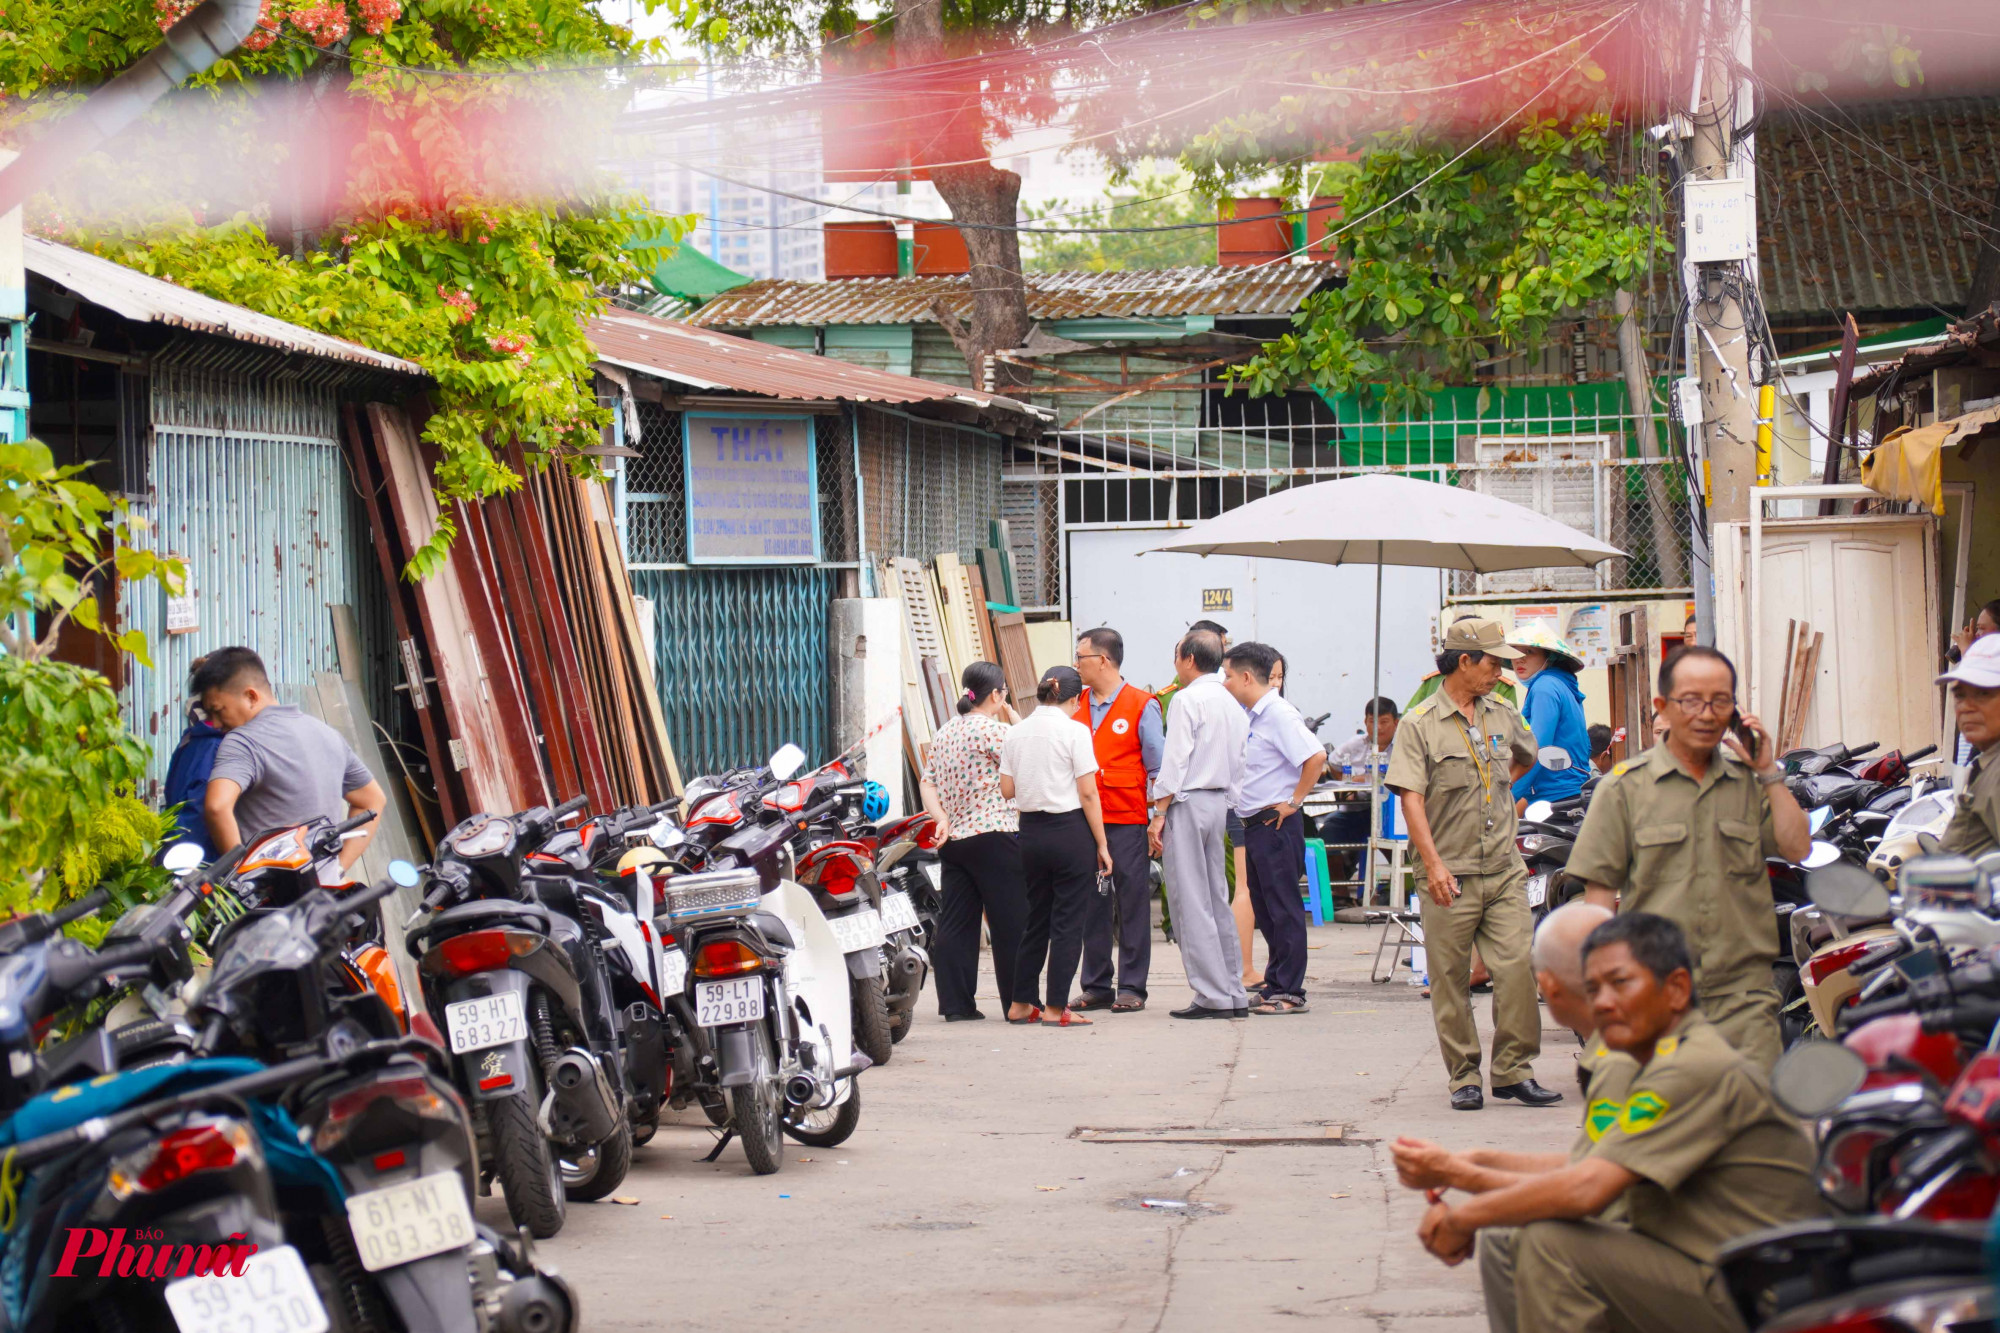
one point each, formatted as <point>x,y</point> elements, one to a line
<point>1371,437</point>
<point>692,276</point>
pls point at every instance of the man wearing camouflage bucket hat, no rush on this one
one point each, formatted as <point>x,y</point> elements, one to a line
<point>1553,710</point>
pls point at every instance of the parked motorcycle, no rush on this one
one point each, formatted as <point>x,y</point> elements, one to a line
<point>520,990</point>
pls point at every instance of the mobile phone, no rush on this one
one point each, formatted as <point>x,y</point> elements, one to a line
<point>1741,730</point>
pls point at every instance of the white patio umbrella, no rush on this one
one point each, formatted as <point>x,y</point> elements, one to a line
<point>1380,518</point>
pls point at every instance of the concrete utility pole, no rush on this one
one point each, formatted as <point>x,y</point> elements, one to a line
<point>1719,264</point>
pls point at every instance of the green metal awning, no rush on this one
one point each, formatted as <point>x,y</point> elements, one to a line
<point>692,276</point>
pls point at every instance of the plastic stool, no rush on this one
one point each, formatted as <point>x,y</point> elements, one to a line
<point>1319,881</point>
<point>1315,885</point>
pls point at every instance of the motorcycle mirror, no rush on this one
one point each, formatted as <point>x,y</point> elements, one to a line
<point>1552,757</point>
<point>182,857</point>
<point>786,761</point>
<point>404,874</point>
<point>1822,854</point>
<point>666,834</point>
<point>1817,820</point>
<point>1847,890</point>
<point>1815,1076</point>
<point>1538,811</point>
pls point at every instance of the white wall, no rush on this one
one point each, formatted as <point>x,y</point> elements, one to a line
<point>1321,617</point>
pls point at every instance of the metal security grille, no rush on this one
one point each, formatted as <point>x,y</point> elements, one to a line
<point>265,525</point>
<point>741,661</point>
<point>929,487</point>
<point>656,491</point>
<point>1568,451</point>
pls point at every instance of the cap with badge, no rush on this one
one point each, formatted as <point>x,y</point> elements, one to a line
<point>1980,667</point>
<point>1479,634</point>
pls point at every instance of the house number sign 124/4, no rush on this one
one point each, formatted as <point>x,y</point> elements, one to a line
<point>1218,599</point>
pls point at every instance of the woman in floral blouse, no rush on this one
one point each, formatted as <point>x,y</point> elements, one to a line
<point>980,858</point>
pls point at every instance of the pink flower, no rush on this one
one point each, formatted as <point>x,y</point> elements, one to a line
<point>377,15</point>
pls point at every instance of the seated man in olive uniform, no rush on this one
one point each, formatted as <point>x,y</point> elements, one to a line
<point>1697,1148</point>
<point>1975,700</point>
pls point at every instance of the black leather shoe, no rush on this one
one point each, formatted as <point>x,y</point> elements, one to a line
<point>1468,1099</point>
<point>1241,1011</point>
<point>1203,1011</point>
<point>974,1016</point>
<point>1528,1093</point>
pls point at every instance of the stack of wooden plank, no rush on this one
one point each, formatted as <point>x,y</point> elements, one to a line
<point>1802,645</point>
<point>521,657</point>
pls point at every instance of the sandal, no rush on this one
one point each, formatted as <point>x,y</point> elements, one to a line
<point>1093,1002</point>
<point>1069,1019</point>
<point>1034,1017</point>
<point>1128,1004</point>
<point>1279,1004</point>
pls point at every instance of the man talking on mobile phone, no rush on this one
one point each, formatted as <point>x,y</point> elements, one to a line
<point>1683,829</point>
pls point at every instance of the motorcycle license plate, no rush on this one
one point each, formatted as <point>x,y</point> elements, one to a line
<point>673,971</point>
<point>898,912</point>
<point>491,1020</point>
<point>863,930</point>
<point>718,1002</point>
<point>414,1220</point>
<point>934,873</point>
<point>274,1295</point>
<point>1538,889</point>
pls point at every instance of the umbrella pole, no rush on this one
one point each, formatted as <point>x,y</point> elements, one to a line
<point>1374,767</point>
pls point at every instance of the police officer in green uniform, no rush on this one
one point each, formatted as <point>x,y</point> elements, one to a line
<point>1604,1073</point>
<point>1975,697</point>
<point>1694,1144</point>
<point>1683,829</point>
<point>1456,757</point>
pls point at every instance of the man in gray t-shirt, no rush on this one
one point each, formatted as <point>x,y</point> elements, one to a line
<point>276,766</point>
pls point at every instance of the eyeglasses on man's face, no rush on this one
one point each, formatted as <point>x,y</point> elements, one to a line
<point>1085,657</point>
<point>1695,706</point>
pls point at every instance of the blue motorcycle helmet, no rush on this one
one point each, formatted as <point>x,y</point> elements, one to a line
<point>874,802</point>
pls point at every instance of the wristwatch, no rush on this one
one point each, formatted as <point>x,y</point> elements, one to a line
<point>1772,778</point>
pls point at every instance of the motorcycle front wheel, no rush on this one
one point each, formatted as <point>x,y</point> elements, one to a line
<point>828,1127</point>
<point>531,1178</point>
<point>758,1111</point>
<point>871,1019</point>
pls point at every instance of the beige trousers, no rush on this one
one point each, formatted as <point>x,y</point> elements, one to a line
<point>1491,912</point>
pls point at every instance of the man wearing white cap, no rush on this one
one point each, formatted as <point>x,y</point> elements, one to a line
<point>1975,698</point>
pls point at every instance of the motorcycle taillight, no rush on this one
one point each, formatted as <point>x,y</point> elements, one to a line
<point>927,835</point>
<point>212,1146</point>
<point>1823,965</point>
<point>481,951</point>
<point>726,958</point>
<point>402,1099</point>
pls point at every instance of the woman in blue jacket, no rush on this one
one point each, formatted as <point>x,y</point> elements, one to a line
<point>1554,712</point>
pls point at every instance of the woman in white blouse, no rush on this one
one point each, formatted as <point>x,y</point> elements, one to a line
<point>980,859</point>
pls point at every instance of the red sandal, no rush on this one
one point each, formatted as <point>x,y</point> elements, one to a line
<point>1069,1019</point>
<point>1035,1017</point>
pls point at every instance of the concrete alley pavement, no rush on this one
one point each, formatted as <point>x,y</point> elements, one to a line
<point>965,1197</point>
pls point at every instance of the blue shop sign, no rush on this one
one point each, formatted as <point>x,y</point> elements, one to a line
<point>752,489</point>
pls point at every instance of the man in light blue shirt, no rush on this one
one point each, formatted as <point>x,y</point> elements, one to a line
<point>1282,760</point>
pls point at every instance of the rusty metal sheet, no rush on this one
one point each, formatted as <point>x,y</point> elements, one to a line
<point>703,360</point>
<point>1135,294</point>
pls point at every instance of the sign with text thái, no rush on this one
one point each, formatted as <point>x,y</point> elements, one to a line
<point>752,489</point>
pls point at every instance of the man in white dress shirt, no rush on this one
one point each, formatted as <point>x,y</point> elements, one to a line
<point>1201,775</point>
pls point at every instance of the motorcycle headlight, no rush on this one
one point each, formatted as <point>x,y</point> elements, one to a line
<point>282,851</point>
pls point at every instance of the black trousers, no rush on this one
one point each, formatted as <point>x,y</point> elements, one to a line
<point>1126,912</point>
<point>1059,863</point>
<point>1276,857</point>
<point>979,876</point>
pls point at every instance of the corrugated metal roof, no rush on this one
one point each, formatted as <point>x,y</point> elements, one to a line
<point>151,300</point>
<point>1879,208</point>
<point>1137,294</point>
<point>704,360</point>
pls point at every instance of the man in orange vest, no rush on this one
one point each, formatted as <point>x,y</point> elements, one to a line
<point>1127,732</point>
